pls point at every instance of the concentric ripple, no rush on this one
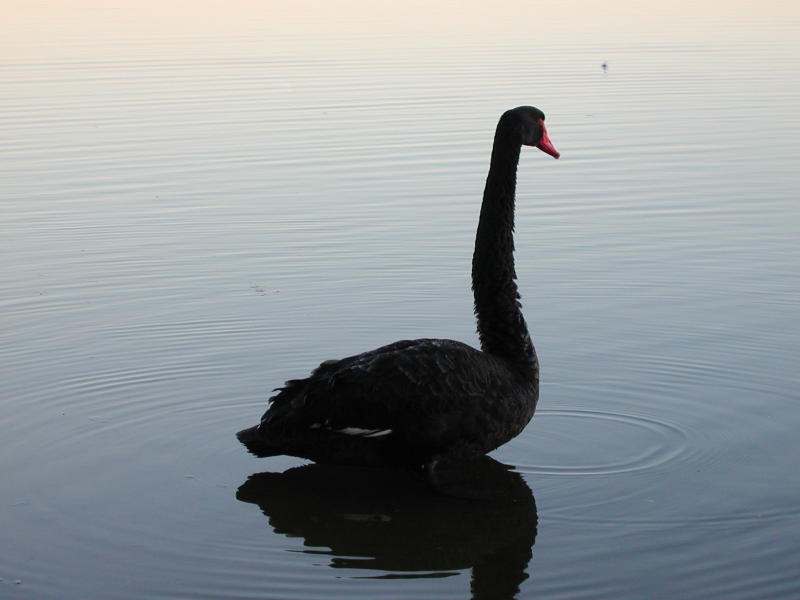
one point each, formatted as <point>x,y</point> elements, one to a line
<point>621,442</point>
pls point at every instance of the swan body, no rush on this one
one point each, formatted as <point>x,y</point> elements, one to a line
<point>416,402</point>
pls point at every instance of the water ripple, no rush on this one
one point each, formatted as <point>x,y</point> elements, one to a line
<point>662,442</point>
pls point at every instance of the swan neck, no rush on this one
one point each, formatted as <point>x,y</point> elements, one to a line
<point>501,327</point>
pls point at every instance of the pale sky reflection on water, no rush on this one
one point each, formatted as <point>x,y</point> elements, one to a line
<point>171,29</point>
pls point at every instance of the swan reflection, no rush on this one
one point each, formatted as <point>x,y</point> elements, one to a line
<point>388,522</point>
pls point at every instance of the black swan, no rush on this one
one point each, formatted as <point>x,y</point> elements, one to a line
<point>418,402</point>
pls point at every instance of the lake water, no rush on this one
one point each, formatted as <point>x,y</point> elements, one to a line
<point>202,200</point>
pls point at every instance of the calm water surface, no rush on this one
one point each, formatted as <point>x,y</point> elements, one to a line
<point>202,200</point>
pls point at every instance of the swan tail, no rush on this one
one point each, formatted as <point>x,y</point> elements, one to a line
<point>349,446</point>
<point>255,443</point>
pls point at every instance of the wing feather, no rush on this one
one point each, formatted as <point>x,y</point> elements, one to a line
<point>387,388</point>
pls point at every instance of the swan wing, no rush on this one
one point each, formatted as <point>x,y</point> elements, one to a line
<point>407,384</point>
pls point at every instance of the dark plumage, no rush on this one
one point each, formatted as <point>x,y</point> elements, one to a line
<point>416,402</point>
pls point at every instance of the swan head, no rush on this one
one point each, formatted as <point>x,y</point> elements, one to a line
<point>528,123</point>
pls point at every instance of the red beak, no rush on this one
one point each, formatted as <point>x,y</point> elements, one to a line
<point>545,145</point>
